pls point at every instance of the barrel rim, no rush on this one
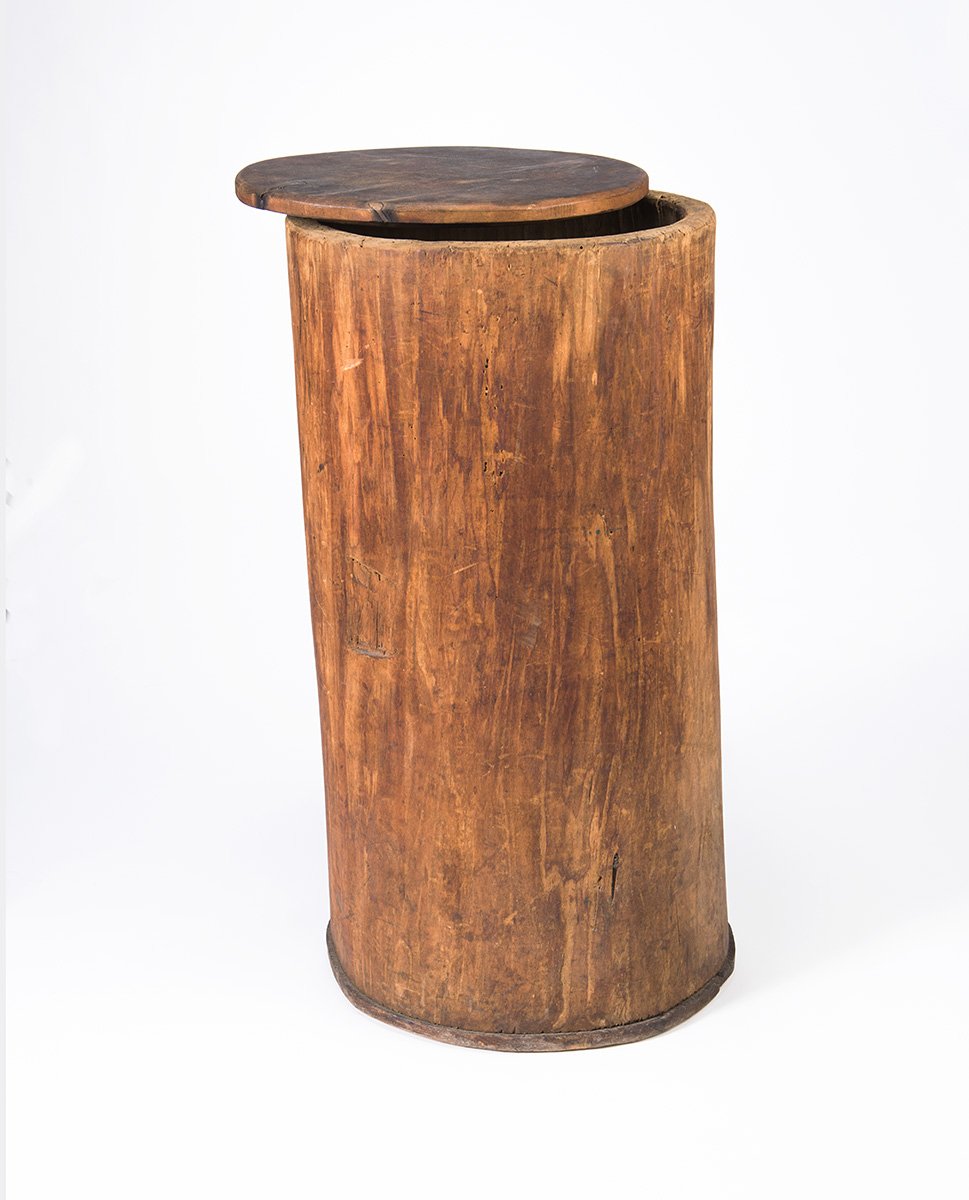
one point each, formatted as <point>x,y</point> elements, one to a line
<point>581,1039</point>
<point>696,217</point>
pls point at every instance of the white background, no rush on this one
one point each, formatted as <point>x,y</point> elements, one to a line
<point>174,1027</point>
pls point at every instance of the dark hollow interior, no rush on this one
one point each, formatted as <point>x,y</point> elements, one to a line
<point>652,212</point>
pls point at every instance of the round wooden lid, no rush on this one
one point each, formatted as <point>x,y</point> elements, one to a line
<point>438,184</point>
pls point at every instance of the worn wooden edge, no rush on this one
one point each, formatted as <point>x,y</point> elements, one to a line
<point>279,185</point>
<point>579,1039</point>
<point>279,201</point>
<point>697,215</point>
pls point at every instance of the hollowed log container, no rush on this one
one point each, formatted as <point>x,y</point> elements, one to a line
<point>505,440</point>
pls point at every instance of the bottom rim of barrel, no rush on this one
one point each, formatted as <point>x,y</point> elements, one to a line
<point>579,1039</point>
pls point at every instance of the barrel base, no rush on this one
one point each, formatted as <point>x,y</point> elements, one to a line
<point>579,1039</point>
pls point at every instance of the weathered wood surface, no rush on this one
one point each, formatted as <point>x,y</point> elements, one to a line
<point>506,473</point>
<point>531,1043</point>
<point>441,183</point>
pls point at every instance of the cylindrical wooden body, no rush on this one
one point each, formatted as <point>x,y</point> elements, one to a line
<point>506,472</point>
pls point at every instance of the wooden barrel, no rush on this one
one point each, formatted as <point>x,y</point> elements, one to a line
<point>505,440</point>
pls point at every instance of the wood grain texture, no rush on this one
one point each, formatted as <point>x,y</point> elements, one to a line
<point>531,1043</point>
<point>506,474</point>
<point>427,184</point>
